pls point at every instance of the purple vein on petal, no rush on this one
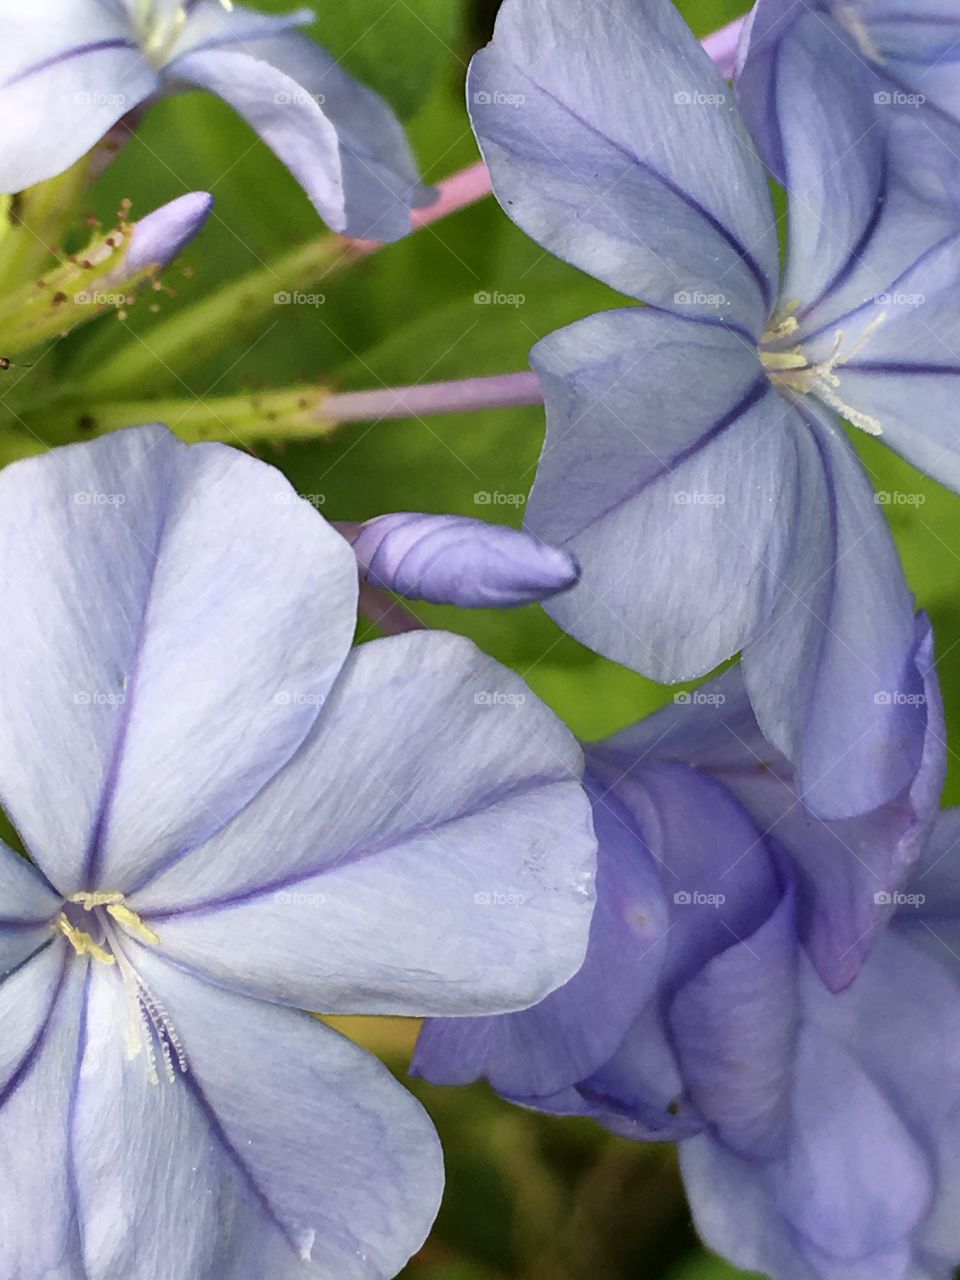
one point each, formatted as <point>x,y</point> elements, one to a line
<point>68,55</point>
<point>224,901</point>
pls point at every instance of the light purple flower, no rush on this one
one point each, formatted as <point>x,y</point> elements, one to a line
<point>232,816</point>
<point>694,461</point>
<point>818,1131</point>
<point>70,69</point>
<point>457,560</point>
<point>913,53</point>
<point>157,238</point>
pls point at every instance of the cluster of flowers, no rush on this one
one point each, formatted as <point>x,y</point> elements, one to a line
<point>735,925</point>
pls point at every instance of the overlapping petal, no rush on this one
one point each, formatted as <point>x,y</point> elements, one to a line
<point>868,1182</point>
<point>670,491</point>
<point>613,179</point>
<point>848,872</point>
<point>428,850</point>
<point>832,673</point>
<point>282,1149</point>
<point>40,1008</point>
<point>574,1031</point>
<point>153,588</point>
<point>67,74</point>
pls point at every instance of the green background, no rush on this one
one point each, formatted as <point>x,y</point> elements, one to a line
<point>527,1196</point>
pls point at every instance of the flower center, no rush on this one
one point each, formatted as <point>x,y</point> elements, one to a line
<point>158,24</point>
<point>148,1026</point>
<point>791,368</point>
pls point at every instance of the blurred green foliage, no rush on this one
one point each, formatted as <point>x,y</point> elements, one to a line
<point>527,1197</point>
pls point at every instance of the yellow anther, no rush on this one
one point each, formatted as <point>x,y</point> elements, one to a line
<point>793,369</point>
<point>90,900</point>
<point>82,943</point>
<point>132,922</point>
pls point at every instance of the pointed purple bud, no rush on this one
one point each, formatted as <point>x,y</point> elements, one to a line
<point>158,238</point>
<point>457,560</point>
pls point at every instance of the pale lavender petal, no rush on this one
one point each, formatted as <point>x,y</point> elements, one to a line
<point>435,790</point>
<point>174,618</point>
<point>285,1150</point>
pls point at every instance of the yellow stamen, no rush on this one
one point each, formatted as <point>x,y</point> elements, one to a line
<point>132,923</point>
<point>82,942</point>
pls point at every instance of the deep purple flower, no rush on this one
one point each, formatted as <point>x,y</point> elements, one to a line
<point>818,1130</point>
<point>457,560</point>
<point>70,69</point>
<point>694,462</point>
<point>231,816</point>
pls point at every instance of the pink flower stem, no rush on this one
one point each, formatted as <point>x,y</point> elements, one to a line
<point>473,184</point>
<point>501,391</point>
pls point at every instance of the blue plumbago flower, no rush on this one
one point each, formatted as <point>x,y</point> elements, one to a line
<point>70,69</point>
<point>914,55</point>
<point>695,462</point>
<point>457,560</point>
<point>231,816</point>
<point>818,1130</point>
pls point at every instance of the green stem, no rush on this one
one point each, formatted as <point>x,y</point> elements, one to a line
<point>295,413</point>
<point>35,222</point>
<point>198,331</point>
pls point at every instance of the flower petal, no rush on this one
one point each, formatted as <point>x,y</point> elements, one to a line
<point>848,872</point>
<point>436,790</point>
<point>868,1185</point>
<point>340,141</point>
<point>174,617</point>
<point>833,676</point>
<point>27,905</point>
<point>834,157</point>
<point>596,123</point>
<point>40,1013</point>
<point>283,1149</point>
<point>735,1026</point>
<point>576,1029</point>
<point>67,74</point>
<point>666,471</point>
<point>906,373</point>
<point>457,560</point>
